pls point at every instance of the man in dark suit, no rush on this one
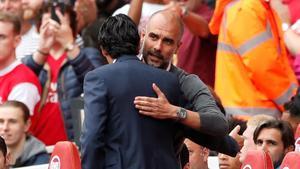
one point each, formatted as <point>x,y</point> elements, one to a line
<point>114,134</point>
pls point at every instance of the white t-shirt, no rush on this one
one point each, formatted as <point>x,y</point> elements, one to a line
<point>147,10</point>
<point>28,44</point>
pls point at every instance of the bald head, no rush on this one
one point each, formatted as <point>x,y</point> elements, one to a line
<point>169,18</point>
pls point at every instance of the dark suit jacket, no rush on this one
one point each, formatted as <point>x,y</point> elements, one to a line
<point>115,135</point>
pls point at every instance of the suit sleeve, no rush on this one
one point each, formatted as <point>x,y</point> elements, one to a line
<point>95,107</point>
<point>223,144</point>
<point>213,122</point>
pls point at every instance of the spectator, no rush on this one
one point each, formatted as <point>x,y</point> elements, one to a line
<point>61,66</point>
<point>27,10</point>
<point>275,137</point>
<point>198,155</point>
<point>4,157</point>
<point>90,16</point>
<point>291,112</point>
<point>225,161</point>
<point>17,81</point>
<point>243,77</point>
<point>248,143</point>
<point>140,10</point>
<point>184,157</point>
<point>197,52</point>
<point>25,149</point>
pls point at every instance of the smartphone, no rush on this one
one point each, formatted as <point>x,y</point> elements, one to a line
<point>56,4</point>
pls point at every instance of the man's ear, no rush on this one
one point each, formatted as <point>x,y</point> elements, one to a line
<point>178,46</point>
<point>143,33</point>
<point>27,125</point>
<point>17,40</point>
<point>106,55</point>
<point>104,52</point>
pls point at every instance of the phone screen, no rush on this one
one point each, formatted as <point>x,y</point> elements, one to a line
<point>54,6</point>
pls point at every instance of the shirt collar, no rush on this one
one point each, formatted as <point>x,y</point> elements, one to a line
<point>9,68</point>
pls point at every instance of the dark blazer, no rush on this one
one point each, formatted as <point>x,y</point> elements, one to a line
<point>114,134</point>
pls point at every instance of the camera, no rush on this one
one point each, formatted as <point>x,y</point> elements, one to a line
<point>57,4</point>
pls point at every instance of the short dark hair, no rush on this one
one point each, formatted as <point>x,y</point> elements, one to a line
<point>287,134</point>
<point>3,147</point>
<point>11,18</point>
<point>293,106</point>
<point>20,105</point>
<point>119,35</point>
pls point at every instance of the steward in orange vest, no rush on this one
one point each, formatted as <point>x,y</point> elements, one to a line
<point>253,74</point>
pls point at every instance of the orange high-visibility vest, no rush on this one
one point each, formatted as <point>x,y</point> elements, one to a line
<point>253,74</point>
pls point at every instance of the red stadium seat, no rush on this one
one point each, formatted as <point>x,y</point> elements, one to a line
<point>65,156</point>
<point>257,159</point>
<point>291,161</point>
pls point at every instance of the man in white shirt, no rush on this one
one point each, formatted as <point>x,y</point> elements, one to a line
<point>27,11</point>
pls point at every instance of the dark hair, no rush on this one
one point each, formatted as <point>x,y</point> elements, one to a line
<point>11,18</point>
<point>20,105</point>
<point>287,134</point>
<point>184,155</point>
<point>293,106</point>
<point>119,35</point>
<point>3,147</point>
<point>68,9</point>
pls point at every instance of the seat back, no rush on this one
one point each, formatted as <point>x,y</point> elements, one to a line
<point>77,106</point>
<point>65,156</point>
<point>291,161</point>
<point>257,159</point>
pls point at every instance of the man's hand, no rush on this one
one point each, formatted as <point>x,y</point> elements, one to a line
<point>159,108</point>
<point>235,135</point>
<point>176,7</point>
<point>64,35</point>
<point>47,34</point>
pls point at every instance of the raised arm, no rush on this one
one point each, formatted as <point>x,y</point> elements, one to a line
<point>135,10</point>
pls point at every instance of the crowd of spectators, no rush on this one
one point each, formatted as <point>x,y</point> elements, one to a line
<point>234,60</point>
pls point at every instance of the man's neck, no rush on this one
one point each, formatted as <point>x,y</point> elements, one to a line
<point>7,62</point>
<point>16,150</point>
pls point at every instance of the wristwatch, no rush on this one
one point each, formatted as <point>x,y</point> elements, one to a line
<point>181,114</point>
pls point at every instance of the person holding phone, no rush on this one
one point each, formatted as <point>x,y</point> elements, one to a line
<point>61,66</point>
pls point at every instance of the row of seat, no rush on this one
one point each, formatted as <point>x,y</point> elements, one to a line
<point>66,156</point>
<point>258,159</point>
